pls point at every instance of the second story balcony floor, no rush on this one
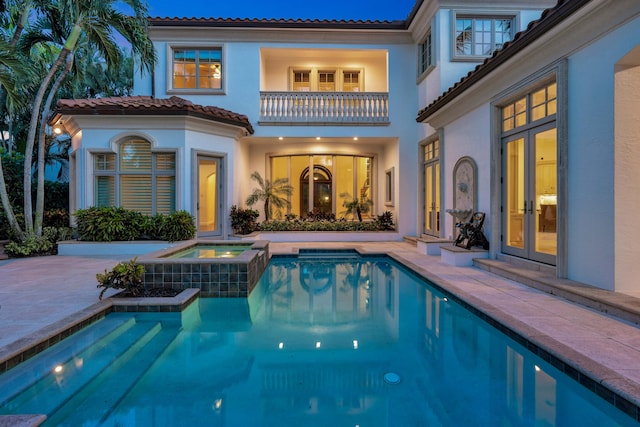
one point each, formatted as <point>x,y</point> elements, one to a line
<point>323,86</point>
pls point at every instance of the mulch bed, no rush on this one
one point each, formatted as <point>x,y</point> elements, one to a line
<point>149,293</point>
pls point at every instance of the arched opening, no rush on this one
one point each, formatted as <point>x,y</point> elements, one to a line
<point>626,178</point>
<point>322,190</point>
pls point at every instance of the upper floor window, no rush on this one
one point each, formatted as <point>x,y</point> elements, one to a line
<point>199,69</point>
<point>301,81</point>
<point>326,80</point>
<point>136,178</point>
<point>351,81</point>
<point>480,36</point>
<point>425,59</point>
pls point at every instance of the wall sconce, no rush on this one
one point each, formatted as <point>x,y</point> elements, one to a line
<point>58,128</point>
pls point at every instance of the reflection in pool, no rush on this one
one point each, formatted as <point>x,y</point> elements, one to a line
<point>352,342</point>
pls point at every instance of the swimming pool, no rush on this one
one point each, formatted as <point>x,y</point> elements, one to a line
<point>312,345</point>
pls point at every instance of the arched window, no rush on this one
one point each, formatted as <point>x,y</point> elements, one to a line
<point>136,178</point>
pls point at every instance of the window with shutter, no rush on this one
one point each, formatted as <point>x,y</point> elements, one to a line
<point>137,178</point>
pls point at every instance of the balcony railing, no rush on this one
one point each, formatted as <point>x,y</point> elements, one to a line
<point>308,108</point>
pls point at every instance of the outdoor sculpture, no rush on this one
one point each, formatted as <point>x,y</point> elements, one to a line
<point>471,232</point>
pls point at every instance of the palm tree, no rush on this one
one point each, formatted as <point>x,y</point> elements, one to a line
<point>11,69</point>
<point>355,207</point>
<point>65,22</point>
<point>270,193</point>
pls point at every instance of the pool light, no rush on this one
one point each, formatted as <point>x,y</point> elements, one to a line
<point>391,378</point>
<point>58,369</point>
<point>281,345</point>
<point>317,344</point>
<point>355,344</point>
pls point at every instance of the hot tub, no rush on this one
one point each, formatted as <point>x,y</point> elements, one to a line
<point>207,250</point>
<point>218,268</point>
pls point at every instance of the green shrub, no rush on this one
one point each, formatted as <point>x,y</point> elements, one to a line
<point>57,234</point>
<point>323,225</point>
<point>47,244</point>
<point>56,195</point>
<point>5,229</point>
<point>56,218</point>
<point>13,168</point>
<point>125,275</point>
<point>385,221</point>
<point>110,224</point>
<point>176,226</point>
<point>243,221</point>
<point>31,246</point>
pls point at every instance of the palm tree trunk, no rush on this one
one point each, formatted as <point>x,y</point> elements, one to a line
<point>22,22</point>
<point>33,125</point>
<point>8,210</point>
<point>39,216</point>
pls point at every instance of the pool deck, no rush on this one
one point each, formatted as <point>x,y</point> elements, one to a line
<point>39,295</point>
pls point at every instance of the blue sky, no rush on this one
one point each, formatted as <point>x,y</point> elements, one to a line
<point>350,9</point>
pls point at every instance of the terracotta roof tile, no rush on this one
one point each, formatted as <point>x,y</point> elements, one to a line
<point>277,23</point>
<point>146,105</point>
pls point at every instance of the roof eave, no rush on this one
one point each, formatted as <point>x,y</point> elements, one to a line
<point>277,24</point>
<point>120,111</point>
<point>537,29</point>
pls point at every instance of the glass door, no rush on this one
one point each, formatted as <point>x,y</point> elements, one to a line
<point>209,200</point>
<point>431,167</point>
<point>530,195</point>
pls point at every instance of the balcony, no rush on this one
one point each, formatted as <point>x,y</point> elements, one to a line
<point>321,108</point>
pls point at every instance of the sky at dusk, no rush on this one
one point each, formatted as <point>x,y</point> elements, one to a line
<point>350,9</point>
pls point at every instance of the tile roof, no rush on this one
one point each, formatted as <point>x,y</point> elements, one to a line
<point>278,23</point>
<point>549,19</point>
<point>146,105</point>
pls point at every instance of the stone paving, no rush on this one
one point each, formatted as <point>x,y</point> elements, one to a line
<point>37,292</point>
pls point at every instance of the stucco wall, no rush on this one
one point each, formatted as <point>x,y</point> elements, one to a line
<point>469,137</point>
<point>242,95</point>
<point>592,168</point>
<point>627,184</point>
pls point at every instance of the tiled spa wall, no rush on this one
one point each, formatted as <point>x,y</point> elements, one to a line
<point>215,277</point>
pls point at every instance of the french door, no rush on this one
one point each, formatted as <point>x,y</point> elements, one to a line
<point>431,177</point>
<point>529,194</point>
<point>209,187</point>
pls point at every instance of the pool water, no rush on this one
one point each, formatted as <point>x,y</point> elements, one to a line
<point>320,342</point>
<point>211,251</point>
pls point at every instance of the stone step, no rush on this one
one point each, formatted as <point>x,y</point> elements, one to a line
<point>410,239</point>
<point>431,245</point>
<point>460,257</point>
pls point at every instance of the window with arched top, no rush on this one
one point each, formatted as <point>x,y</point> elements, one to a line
<point>136,178</point>
<point>322,189</point>
<point>326,183</point>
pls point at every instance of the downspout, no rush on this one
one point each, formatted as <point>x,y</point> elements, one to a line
<point>153,82</point>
